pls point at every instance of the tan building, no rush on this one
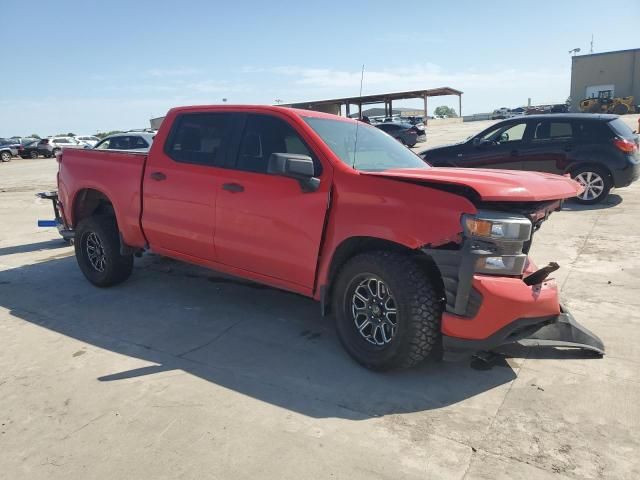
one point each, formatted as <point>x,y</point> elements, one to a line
<point>617,71</point>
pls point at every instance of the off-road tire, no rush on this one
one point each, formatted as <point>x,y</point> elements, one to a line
<point>620,109</point>
<point>418,304</point>
<point>117,267</point>
<point>607,183</point>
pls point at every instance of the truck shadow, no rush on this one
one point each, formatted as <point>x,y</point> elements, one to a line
<point>264,343</point>
<point>33,247</point>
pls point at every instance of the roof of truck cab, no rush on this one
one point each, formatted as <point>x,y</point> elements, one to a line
<point>265,108</point>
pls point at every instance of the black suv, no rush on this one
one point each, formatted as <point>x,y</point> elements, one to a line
<point>599,151</point>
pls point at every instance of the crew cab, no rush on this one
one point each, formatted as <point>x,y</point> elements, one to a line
<point>406,257</point>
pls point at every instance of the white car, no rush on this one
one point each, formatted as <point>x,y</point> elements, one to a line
<point>88,139</point>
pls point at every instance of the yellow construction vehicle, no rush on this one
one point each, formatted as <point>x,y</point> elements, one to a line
<point>605,102</point>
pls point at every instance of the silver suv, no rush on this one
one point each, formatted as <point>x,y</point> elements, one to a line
<point>49,147</point>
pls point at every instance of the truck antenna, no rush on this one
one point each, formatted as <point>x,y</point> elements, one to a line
<point>355,143</point>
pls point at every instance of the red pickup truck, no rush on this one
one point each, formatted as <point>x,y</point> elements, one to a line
<point>407,257</point>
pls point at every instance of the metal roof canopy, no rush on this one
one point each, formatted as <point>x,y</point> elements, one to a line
<point>386,98</point>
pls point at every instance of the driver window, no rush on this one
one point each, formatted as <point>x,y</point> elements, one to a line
<point>265,135</point>
<point>506,134</point>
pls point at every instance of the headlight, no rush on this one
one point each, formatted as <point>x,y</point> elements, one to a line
<point>496,240</point>
<point>493,225</point>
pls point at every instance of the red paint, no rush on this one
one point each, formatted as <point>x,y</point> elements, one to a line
<point>504,299</point>
<point>274,233</point>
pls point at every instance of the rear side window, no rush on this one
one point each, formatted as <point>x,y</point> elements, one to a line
<point>546,130</point>
<point>264,135</point>
<point>591,131</point>
<point>138,142</point>
<point>199,138</point>
<point>620,128</point>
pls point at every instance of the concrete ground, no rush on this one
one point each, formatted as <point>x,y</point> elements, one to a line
<point>183,373</point>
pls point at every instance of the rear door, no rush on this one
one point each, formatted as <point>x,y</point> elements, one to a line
<point>549,147</point>
<point>266,224</point>
<point>181,182</point>
<point>498,147</point>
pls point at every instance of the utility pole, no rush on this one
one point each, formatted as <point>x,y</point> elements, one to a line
<point>591,49</point>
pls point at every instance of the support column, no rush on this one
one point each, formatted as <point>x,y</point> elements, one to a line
<point>348,110</point>
<point>460,105</point>
<point>390,108</point>
<point>425,111</point>
<point>360,111</point>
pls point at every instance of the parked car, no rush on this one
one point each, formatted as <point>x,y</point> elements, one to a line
<point>291,199</point>
<point>8,149</point>
<point>88,139</point>
<point>500,113</point>
<point>22,140</point>
<point>405,133</point>
<point>50,147</point>
<point>30,150</point>
<point>599,151</point>
<point>127,141</point>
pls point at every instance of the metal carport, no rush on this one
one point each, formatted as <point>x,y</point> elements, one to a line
<point>335,105</point>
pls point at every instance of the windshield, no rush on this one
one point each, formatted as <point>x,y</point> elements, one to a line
<point>374,150</point>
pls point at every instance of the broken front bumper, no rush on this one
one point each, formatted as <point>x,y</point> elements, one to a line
<point>484,312</point>
<point>560,330</point>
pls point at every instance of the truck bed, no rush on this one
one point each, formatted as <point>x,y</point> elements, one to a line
<point>116,174</point>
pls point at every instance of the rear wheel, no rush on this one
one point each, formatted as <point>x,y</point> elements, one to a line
<point>596,183</point>
<point>33,154</point>
<point>97,247</point>
<point>55,152</point>
<point>387,311</point>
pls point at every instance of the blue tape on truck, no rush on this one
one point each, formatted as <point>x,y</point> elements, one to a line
<point>47,223</point>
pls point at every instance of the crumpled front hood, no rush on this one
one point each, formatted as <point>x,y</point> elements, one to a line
<point>493,185</point>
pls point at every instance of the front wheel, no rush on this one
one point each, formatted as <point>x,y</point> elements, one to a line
<point>5,156</point>
<point>97,248</point>
<point>387,311</point>
<point>33,154</point>
<point>596,184</point>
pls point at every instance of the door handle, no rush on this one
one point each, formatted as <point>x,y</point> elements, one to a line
<point>233,187</point>
<point>158,176</point>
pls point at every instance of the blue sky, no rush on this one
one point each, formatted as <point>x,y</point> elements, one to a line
<point>88,65</point>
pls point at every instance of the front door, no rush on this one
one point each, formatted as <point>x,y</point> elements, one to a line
<point>267,224</point>
<point>498,147</point>
<point>181,183</point>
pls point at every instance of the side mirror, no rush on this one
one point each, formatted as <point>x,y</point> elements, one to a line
<point>298,167</point>
<point>477,141</point>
